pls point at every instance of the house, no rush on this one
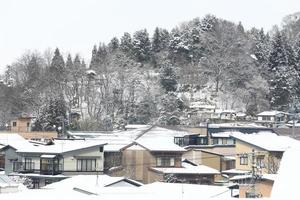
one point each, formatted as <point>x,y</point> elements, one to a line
<point>264,150</point>
<point>201,110</point>
<point>61,157</point>
<point>272,118</point>
<point>228,114</point>
<point>187,173</point>
<point>207,157</point>
<point>21,124</point>
<point>263,185</point>
<point>139,156</point>
<point>9,144</point>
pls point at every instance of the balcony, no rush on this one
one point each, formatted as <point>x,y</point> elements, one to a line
<point>23,167</point>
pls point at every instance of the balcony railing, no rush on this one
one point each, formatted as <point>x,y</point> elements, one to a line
<point>51,169</point>
<point>23,167</point>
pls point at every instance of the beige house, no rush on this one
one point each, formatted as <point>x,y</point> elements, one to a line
<point>22,126</point>
<point>150,160</point>
<point>262,188</point>
<point>217,157</point>
<point>263,150</point>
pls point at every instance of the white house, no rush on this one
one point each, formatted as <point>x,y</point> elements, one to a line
<point>272,118</point>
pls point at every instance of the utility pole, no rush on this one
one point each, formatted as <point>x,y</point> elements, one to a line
<point>252,193</point>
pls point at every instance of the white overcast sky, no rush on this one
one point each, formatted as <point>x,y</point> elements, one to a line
<point>74,26</point>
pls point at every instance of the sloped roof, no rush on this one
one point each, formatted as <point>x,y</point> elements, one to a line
<point>155,144</point>
<point>267,141</point>
<point>60,146</point>
<point>270,113</point>
<point>14,140</point>
<point>187,168</point>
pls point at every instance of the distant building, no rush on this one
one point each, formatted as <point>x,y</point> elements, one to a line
<point>272,118</point>
<point>21,124</point>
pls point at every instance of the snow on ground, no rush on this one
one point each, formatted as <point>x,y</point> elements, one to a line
<point>152,191</point>
<point>286,185</point>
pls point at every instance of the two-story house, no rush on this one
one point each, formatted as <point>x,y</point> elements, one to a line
<point>150,160</point>
<point>61,157</point>
<point>262,150</point>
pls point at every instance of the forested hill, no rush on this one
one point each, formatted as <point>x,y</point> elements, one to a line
<point>152,77</point>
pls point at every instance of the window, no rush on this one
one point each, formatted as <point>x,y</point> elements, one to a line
<point>165,162</point>
<point>215,141</point>
<point>101,149</point>
<point>179,141</point>
<point>14,123</point>
<point>266,118</point>
<point>86,165</point>
<point>28,164</point>
<point>244,159</point>
<point>260,161</point>
<point>224,140</point>
<point>201,140</point>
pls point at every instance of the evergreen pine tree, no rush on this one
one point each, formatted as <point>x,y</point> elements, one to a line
<point>168,78</point>
<point>126,44</point>
<point>57,72</point>
<point>114,44</point>
<point>141,46</point>
<point>94,60</point>
<point>281,65</point>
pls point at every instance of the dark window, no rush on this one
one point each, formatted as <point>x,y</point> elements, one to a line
<point>165,161</point>
<point>28,163</point>
<point>101,149</point>
<point>28,124</point>
<point>86,164</point>
<point>201,140</point>
<point>244,159</point>
<point>179,141</point>
<point>14,123</point>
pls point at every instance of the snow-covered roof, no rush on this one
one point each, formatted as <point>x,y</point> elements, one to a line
<point>267,141</point>
<point>157,144</point>
<point>60,146</point>
<point>270,113</point>
<point>271,177</point>
<point>90,183</point>
<point>135,126</point>
<point>187,169</point>
<point>222,134</point>
<point>235,171</point>
<point>157,190</point>
<point>14,140</point>
<point>201,105</point>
